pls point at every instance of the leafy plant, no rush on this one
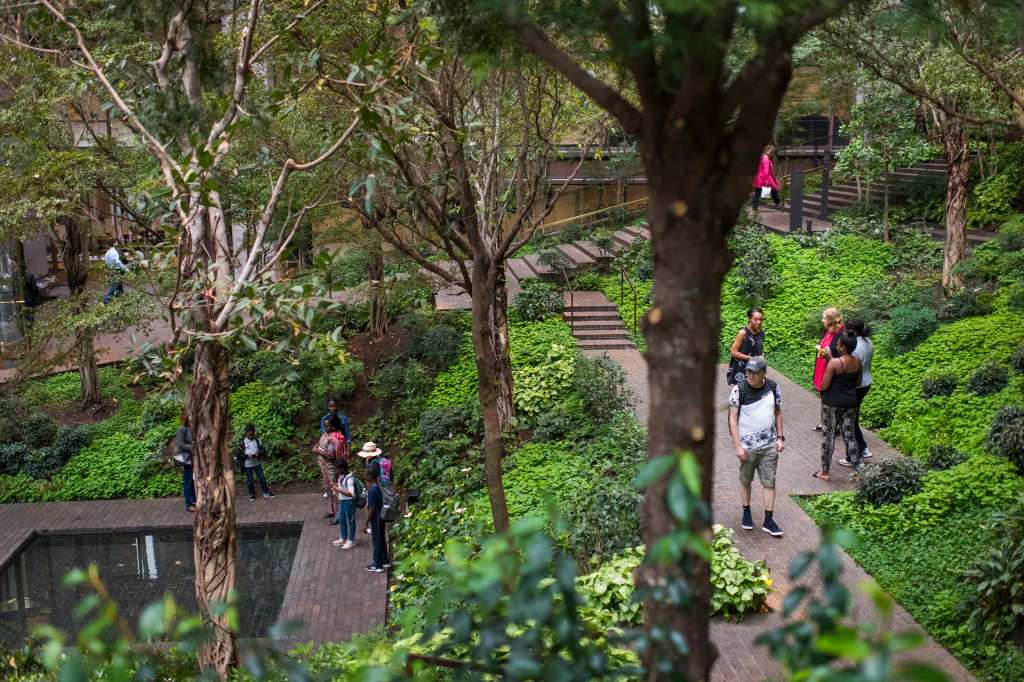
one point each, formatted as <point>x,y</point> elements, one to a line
<point>890,481</point>
<point>966,302</point>
<point>757,277</point>
<point>113,467</point>
<point>398,381</point>
<point>438,346</point>
<point>938,384</point>
<point>447,421</point>
<point>741,587</point>
<point>608,591</point>
<point>560,421</point>
<point>1015,297</point>
<point>911,325</point>
<point>601,383</point>
<point>536,301</point>
<point>270,408</point>
<point>1006,437</point>
<point>1017,361</point>
<point>988,378</point>
<point>13,457</point>
<point>602,521</point>
<point>996,603</point>
<point>538,387</point>
<point>944,457</point>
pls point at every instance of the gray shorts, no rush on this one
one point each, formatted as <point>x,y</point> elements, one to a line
<point>765,461</point>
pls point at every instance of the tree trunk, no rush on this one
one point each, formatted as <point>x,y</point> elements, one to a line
<point>375,272</point>
<point>214,545</point>
<point>494,372</point>
<point>958,164</point>
<point>88,371</point>
<point>682,331</point>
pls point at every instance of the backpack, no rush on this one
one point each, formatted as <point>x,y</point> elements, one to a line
<point>360,493</point>
<point>391,504</point>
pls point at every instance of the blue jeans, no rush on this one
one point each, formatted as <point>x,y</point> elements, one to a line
<point>189,485</point>
<point>258,470</point>
<point>115,289</point>
<point>347,520</point>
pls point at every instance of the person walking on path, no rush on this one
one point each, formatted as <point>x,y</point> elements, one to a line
<point>832,322</point>
<point>326,451</point>
<point>749,343</point>
<point>183,456</point>
<point>250,455</point>
<point>765,179</point>
<point>864,351</point>
<point>374,502</point>
<point>347,489</point>
<point>115,273</point>
<point>755,422</point>
<point>839,400</point>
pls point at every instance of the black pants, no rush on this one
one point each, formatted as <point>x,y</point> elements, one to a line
<point>756,199</point>
<point>380,542</point>
<point>861,392</point>
<point>259,474</point>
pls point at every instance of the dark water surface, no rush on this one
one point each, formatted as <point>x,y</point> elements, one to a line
<point>138,568</point>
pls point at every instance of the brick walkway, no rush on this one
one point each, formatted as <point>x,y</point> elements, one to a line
<point>328,590</point>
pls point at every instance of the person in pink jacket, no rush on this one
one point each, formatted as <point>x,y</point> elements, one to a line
<point>765,178</point>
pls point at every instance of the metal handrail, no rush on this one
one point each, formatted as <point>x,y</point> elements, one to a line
<point>593,213</point>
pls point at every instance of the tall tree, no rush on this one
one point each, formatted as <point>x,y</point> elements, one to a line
<point>700,85</point>
<point>903,48</point>
<point>184,86</point>
<point>466,160</point>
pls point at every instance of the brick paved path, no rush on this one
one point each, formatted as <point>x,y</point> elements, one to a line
<point>328,590</point>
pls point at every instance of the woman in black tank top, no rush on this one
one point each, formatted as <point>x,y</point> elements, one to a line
<point>749,343</point>
<point>839,402</point>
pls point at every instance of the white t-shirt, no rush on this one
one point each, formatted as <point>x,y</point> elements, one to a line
<point>112,259</point>
<point>252,452</point>
<point>756,413</point>
<point>348,487</point>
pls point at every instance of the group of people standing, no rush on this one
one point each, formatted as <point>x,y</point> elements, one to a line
<point>842,377</point>
<point>344,490</point>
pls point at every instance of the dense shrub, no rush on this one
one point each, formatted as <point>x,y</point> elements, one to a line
<point>13,457</point>
<point>337,380</point>
<point>964,303</point>
<point>996,602</point>
<point>944,457</point>
<point>565,419</point>
<point>398,381</point>
<point>270,408</point>
<point>38,429</point>
<point>1017,361</point>
<point>938,384</point>
<point>158,409</point>
<point>1006,437</point>
<point>889,481</point>
<point>601,383</point>
<point>757,276</point>
<point>538,387</point>
<point>911,325</point>
<point>1015,297</point>
<point>42,463</point>
<point>438,346</point>
<point>447,421</point>
<point>536,301</point>
<point>988,378</point>
<point>260,365</point>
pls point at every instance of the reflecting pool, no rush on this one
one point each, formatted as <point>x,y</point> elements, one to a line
<point>138,568</point>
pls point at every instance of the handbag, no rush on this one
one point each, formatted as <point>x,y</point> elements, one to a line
<point>766,192</point>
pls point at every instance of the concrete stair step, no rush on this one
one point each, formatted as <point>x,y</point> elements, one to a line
<point>539,269</point>
<point>599,325</point>
<point>519,268</point>
<point>639,230</point>
<point>584,316</point>
<point>590,248</point>
<point>583,334</point>
<point>582,308</point>
<point>604,344</point>
<point>623,237</point>
<point>577,256</point>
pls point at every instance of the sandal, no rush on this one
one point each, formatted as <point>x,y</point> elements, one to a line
<point>820,476</point>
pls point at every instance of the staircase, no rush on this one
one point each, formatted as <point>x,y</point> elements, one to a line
<point>582,255</point>
<point>844,194</point>
<point>595,322</point>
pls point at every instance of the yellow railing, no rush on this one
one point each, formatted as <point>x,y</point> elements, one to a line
<point>599,211</point>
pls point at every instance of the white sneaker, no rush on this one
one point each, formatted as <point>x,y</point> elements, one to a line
<point>845,463</point>
<point>867,453</point>
<point>339,543</point>
<point>369,532</point>
<point>325,493</point>
<point>348,545</point>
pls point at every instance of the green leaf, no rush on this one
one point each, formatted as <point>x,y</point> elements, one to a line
<point>653,470</point>
<point>844,642</point>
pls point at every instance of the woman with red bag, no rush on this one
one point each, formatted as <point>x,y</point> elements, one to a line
<point>328,450</point>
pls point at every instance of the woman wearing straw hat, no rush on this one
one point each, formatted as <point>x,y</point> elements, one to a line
<point>377,464</point>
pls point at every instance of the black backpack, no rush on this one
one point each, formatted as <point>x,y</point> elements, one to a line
<point>360,493</point>
<point>391,504</point>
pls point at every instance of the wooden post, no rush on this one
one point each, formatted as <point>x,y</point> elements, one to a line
<point>796,201</point>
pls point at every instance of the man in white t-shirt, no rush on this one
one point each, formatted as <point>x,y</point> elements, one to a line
<point>115,271</point>
<point>755,422</point>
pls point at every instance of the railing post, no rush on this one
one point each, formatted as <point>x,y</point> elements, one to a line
<point>796,201</point>
<point>826,179</point>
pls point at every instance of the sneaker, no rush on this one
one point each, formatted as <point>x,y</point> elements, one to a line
<point>388,565</point>
<point>348,545</point>
<point>333,522</point>
<point>867,453</point>
<point>368,531</point>
<point>374,569</point>
<point>339,543</point>
<point>772,528</point>
<point>845,462</point>
<point>252,498</point>
<point>748,520</point>
<point>819,427</point>
<point>325,493</point>
<point>328,515</point>
<point>269,496</point>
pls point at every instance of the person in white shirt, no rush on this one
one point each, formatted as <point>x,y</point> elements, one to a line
<point>347,489</point>
<point>115,271</point>
<point>250,453</point>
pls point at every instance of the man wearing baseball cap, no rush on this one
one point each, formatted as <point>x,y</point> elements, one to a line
<point>755,422</point>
